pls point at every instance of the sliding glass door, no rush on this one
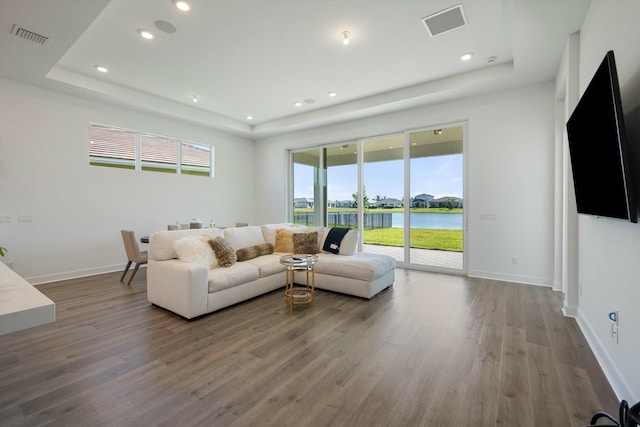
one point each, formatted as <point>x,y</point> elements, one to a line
<point>325,186</point>
<point>309,187</point>
<point>342,185</point>
<point>404,192</point>
<point>436,218</point>
<point>383,193</point>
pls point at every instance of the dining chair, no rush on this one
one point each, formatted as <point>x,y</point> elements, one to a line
<point>133,254</point>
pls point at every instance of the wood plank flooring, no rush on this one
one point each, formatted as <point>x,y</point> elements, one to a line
<point>433,350</point>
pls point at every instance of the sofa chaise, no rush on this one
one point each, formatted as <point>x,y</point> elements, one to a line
<point>195,272</point>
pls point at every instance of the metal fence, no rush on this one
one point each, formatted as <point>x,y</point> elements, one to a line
<point>348,219</point>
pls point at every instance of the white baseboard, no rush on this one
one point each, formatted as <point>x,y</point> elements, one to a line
<point>39,280</point>
<point>526,280</point>
<point>616,380</point>
<point>569,311</point>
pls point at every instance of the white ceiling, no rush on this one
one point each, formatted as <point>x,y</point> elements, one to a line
<point>257,57</point>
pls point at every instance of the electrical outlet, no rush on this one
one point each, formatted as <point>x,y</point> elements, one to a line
<point>5,218</point>
<point>615,333</point>
<point>25,218</point>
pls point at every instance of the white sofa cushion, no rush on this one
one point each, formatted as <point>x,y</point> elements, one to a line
<point>268,265</point>
<point>161,242</point>
<point>237,274</point>
<point>243,237</point>
<point>361,266</point>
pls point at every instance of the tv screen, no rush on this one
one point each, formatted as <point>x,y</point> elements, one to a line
<point>598,148</point>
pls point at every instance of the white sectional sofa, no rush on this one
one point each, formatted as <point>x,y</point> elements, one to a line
<point>181,278</point>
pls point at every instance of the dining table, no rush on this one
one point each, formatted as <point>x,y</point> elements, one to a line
<point>145,239</point>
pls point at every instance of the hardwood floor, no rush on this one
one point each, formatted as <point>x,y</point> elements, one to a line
<point>434,350</point>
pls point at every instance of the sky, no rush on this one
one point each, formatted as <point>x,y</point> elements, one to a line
<point>439,176</point>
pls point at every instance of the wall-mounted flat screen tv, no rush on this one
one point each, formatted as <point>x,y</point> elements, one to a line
<point>598,148</point>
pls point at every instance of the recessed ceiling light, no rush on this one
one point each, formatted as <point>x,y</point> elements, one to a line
<point>345,37</point>
<point>195,98</point>
<point>183,5</point>
<point>332,94</point>
<point>298,104</point>
<point>101,68</point>
<point>146,34</point>
<point>466,56</point>
<point>249,117</point>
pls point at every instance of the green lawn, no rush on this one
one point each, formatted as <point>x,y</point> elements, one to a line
<point>391,210</point>
<point>446,240</point>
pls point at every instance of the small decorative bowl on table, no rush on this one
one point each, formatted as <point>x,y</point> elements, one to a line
<point>299,294</point>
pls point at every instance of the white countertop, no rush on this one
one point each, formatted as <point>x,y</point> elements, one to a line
<point>22,306</point>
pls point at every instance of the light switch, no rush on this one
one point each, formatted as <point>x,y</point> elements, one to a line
<point>25,218</point>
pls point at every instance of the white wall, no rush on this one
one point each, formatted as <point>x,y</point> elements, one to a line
<point>510,162</point>
<point>609,249</point>
<point>78,210</point>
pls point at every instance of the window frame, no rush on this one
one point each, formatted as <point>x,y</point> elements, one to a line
<point>145,166</point>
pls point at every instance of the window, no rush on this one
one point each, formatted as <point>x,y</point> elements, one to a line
<point>111,147</point>
<point>158,154</point>
<point>195,159</point>
<point>119,148</point>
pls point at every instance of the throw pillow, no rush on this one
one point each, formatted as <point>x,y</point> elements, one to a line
<point>334,239</point>
<point>195,249</point>
<point>224,252</point>
<point>269,231</point>
<point>254,251</point>
<point>284,240</point>
<point>305,243</point>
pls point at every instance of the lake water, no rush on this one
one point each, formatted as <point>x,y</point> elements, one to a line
<point>429,220</point>
<point>388,219</point>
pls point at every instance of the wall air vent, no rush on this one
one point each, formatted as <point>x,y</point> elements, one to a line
<point>23,33</point>
<point>445,20</point>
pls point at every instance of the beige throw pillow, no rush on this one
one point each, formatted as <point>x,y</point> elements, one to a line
<point>224,252</point>
<point>305,243</point>
<point>284,240</point>
<point>254,251</point>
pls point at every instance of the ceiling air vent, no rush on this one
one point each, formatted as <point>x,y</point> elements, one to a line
<point>445,20</point>
<point>23,33</point>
